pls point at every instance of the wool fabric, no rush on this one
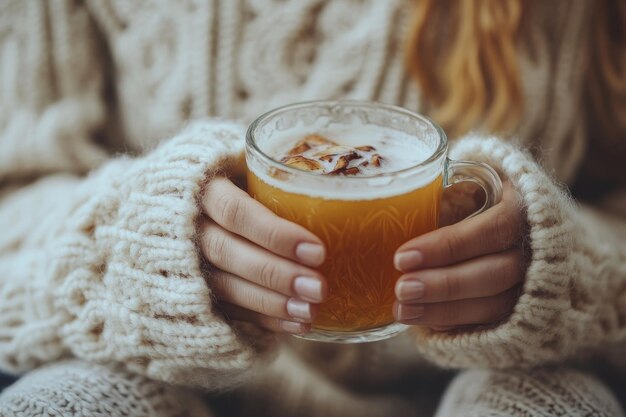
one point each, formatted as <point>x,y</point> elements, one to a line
<point>115,114</point>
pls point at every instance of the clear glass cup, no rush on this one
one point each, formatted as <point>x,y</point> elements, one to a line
<point>362,220</point>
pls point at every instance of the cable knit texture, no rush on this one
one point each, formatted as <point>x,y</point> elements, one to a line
<point>74,388</point>
<point>97,253</point>
<point>539,393</point>
<point>118,278</point>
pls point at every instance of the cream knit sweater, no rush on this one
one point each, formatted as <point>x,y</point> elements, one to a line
<point>97,251</point>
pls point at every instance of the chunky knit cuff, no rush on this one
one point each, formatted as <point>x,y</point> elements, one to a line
<point>128,274</point>
<point>573,296</point>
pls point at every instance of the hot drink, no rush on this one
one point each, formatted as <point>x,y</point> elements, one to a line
<point>361,227</point>
<point>365,178</point>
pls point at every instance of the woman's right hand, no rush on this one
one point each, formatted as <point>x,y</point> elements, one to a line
<point>265,264</point>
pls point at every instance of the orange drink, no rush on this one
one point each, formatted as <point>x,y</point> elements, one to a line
<point>361,237</point>
<point>365,178</point>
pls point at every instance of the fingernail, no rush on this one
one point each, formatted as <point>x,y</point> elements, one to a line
<point>299,309</point>
<point>409,289</point>
<point>410,311</point>
<point>311,254</point>
<point>309,289</point>
<point>293,327</point>
<point>406,261</point>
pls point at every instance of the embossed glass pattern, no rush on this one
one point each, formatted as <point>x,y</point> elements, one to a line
<point>361,237</point>
<point>362,220</point>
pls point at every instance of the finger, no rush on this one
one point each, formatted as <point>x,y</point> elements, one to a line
<point>495,230</point>
<point>456,313</point>
<point>232,312</point>
<point>236,211</point>
<point>479,277</point>
<point>240,257</point>
<point>238,291</point>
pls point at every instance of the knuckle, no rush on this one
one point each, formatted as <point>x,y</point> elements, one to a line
<point>504,272</point>
<point>273,237</point>
<point>269,275</point>
<point>496,273</point>
<point>216,247</point>
<point>451,285</point>
<point>504,230</point>
<point>451,314</point>
<point>263,304</point>
<point>452,243</point>
<point>229,209</point>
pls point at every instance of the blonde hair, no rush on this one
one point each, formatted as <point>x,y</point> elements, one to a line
<point>470,74</point>
<point>463,54</point>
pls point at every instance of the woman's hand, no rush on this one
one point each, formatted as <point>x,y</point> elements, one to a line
<point>467,273</point>
<point>265,263</point>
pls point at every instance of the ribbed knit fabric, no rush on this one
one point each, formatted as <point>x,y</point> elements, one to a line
<point>98,258</point>
<point>539,393</point>
<point>574,297</point>
<point>79,389</point>
<point>114,273</point>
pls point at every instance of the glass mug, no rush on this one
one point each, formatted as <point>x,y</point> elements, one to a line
<point>362,220</point>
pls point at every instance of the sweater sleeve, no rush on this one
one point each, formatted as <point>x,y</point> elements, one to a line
<point>98,257</point>
<point>574,296</point>
<point>106,268</point>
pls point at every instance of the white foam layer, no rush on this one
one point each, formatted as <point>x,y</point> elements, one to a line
<point>399,150</point>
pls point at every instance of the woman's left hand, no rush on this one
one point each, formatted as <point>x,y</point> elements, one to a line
<point>468,273</point>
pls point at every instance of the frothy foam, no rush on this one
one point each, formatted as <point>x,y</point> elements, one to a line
<point>398,150</point>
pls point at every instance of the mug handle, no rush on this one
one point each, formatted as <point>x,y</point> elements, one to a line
<point>478,173</point>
